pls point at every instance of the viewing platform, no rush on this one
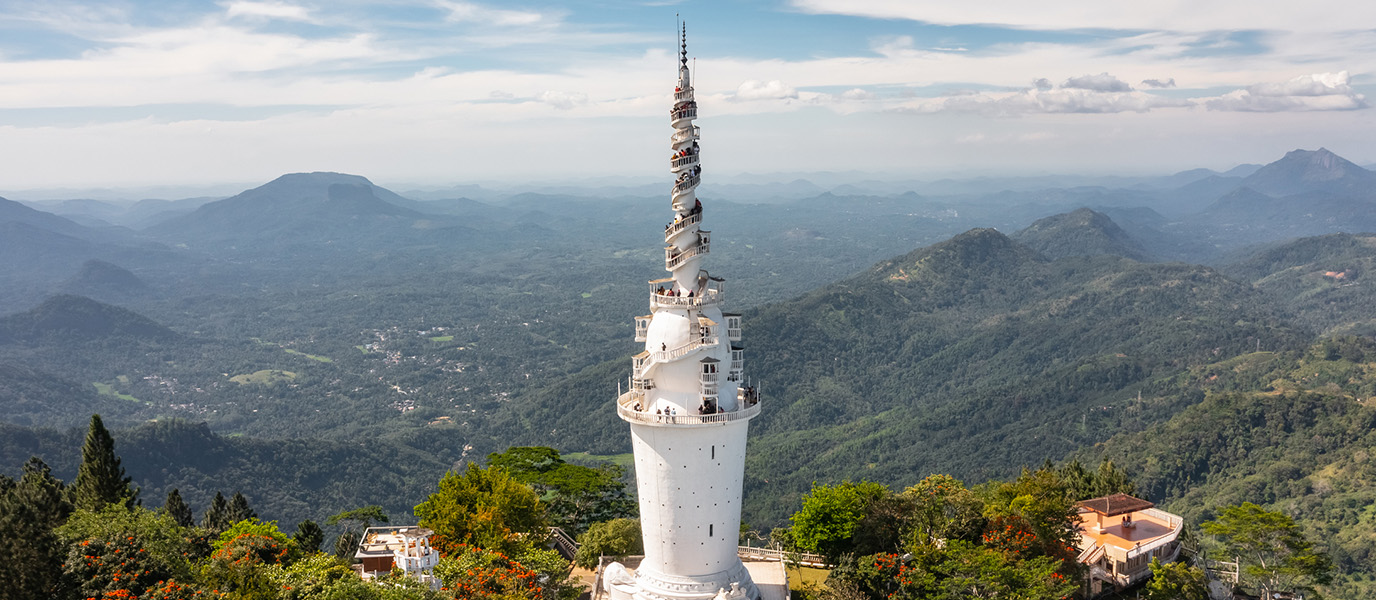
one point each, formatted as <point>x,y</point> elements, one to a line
<point>681,225</point>
<point>625,408</point>
<point>679,162</point>
<point>712,292</point>
<point>690,134</point>
<point>683,95</point>
<point>687,184</point>
<point>673,257</point>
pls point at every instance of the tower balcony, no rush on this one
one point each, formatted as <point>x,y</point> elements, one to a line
<point>677,163</point>
<point>626,409</point>
<point>674,258</point>
<point>689,134</point>
<point>642,327</point>
<point>688,183</point>
<point>711,292</point>
<point>733,327</point>
<point>683,95</point>
<point>705,336</point>
<point>689,110</point>
<point>737,358</point>
<point>680,225</point>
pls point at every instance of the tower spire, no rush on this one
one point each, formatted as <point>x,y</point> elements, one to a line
<point>687,405</point>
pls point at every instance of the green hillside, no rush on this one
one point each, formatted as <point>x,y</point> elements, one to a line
<point>1293,431</point>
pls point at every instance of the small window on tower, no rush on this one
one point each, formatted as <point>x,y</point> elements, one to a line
<point>709,531</point>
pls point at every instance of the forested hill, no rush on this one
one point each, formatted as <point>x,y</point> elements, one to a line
<point>1325,280</point>
<point>80,319</point>
<point>1082,232</point>
<point>289,480</point>
<point>973,357</point>
<point>1292,430</point>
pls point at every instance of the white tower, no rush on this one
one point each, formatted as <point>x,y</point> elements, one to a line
<point>687,406</point>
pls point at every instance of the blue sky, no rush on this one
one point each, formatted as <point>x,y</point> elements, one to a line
<point>125,92</point>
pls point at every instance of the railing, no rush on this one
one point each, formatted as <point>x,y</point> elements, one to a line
<point>737,364</point>
<point>770,554</point>
<point>672,261</point>
<point>681,224</point>
<point>708,383</point>
<point>684,135</point>
<point>642,328</point>
<point>683,161</point>
<point>640,363</point>
<point>687,184</point>
<point>707,297</point>
<point>563,542</point>
<point>683,113</point>
<point>626,410</point>
<point>733,334</point>
<point>682,95</point>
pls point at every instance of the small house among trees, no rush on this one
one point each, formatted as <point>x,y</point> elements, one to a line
<point>1119,537</point>
<point>406,548</point>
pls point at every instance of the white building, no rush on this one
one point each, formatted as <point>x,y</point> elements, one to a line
<point>407,548</point>
<point>687,406</point>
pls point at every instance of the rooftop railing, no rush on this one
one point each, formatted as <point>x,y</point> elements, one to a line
<point>625,408</point>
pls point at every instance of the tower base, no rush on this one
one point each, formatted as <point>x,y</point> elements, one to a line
<point>733,584</point>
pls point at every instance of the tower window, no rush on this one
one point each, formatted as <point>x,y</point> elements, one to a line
<point>714,452</point>
<point>709,531</point>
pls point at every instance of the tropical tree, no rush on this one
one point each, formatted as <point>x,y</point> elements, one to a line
<point>576,496</point>
<point>485,508</point>
<point>1176,581</point>
<point>1276,555</point>
<point>617,537</point>
<point>831,514</point>
<point>100,479</point>
<point>943,509</point>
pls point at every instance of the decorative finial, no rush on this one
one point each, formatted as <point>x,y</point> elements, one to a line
<point>683,46</point>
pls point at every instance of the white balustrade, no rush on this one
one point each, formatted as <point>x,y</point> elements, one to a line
<point>625,408</point>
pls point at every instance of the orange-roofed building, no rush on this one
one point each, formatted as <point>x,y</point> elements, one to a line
<point>1119,535</point>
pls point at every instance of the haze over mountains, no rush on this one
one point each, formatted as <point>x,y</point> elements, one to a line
<point>965,327</point>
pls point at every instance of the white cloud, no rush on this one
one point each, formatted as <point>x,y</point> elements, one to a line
<point>764,90</point>
<point>1157,83</point>
<point>1037,101</point>
<point>1317,92</point>
<point>470,12</point>
<point>266,10</point>
<point>1102,82</point>
<point>857,94</point>
<point>563,100</point>
<point>1168,15</point>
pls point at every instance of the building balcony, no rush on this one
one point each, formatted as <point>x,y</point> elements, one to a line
<point>679,162</point>
<point>733,327</point>
<point>687,184</point>
<point>711,293</point>
<point>683,95</point>
<point>626,403</point>
<point>642,327</point>
<point>674,258</point>
<point>681,225</point>
<point>690,134</point>
<point>685,112</point>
